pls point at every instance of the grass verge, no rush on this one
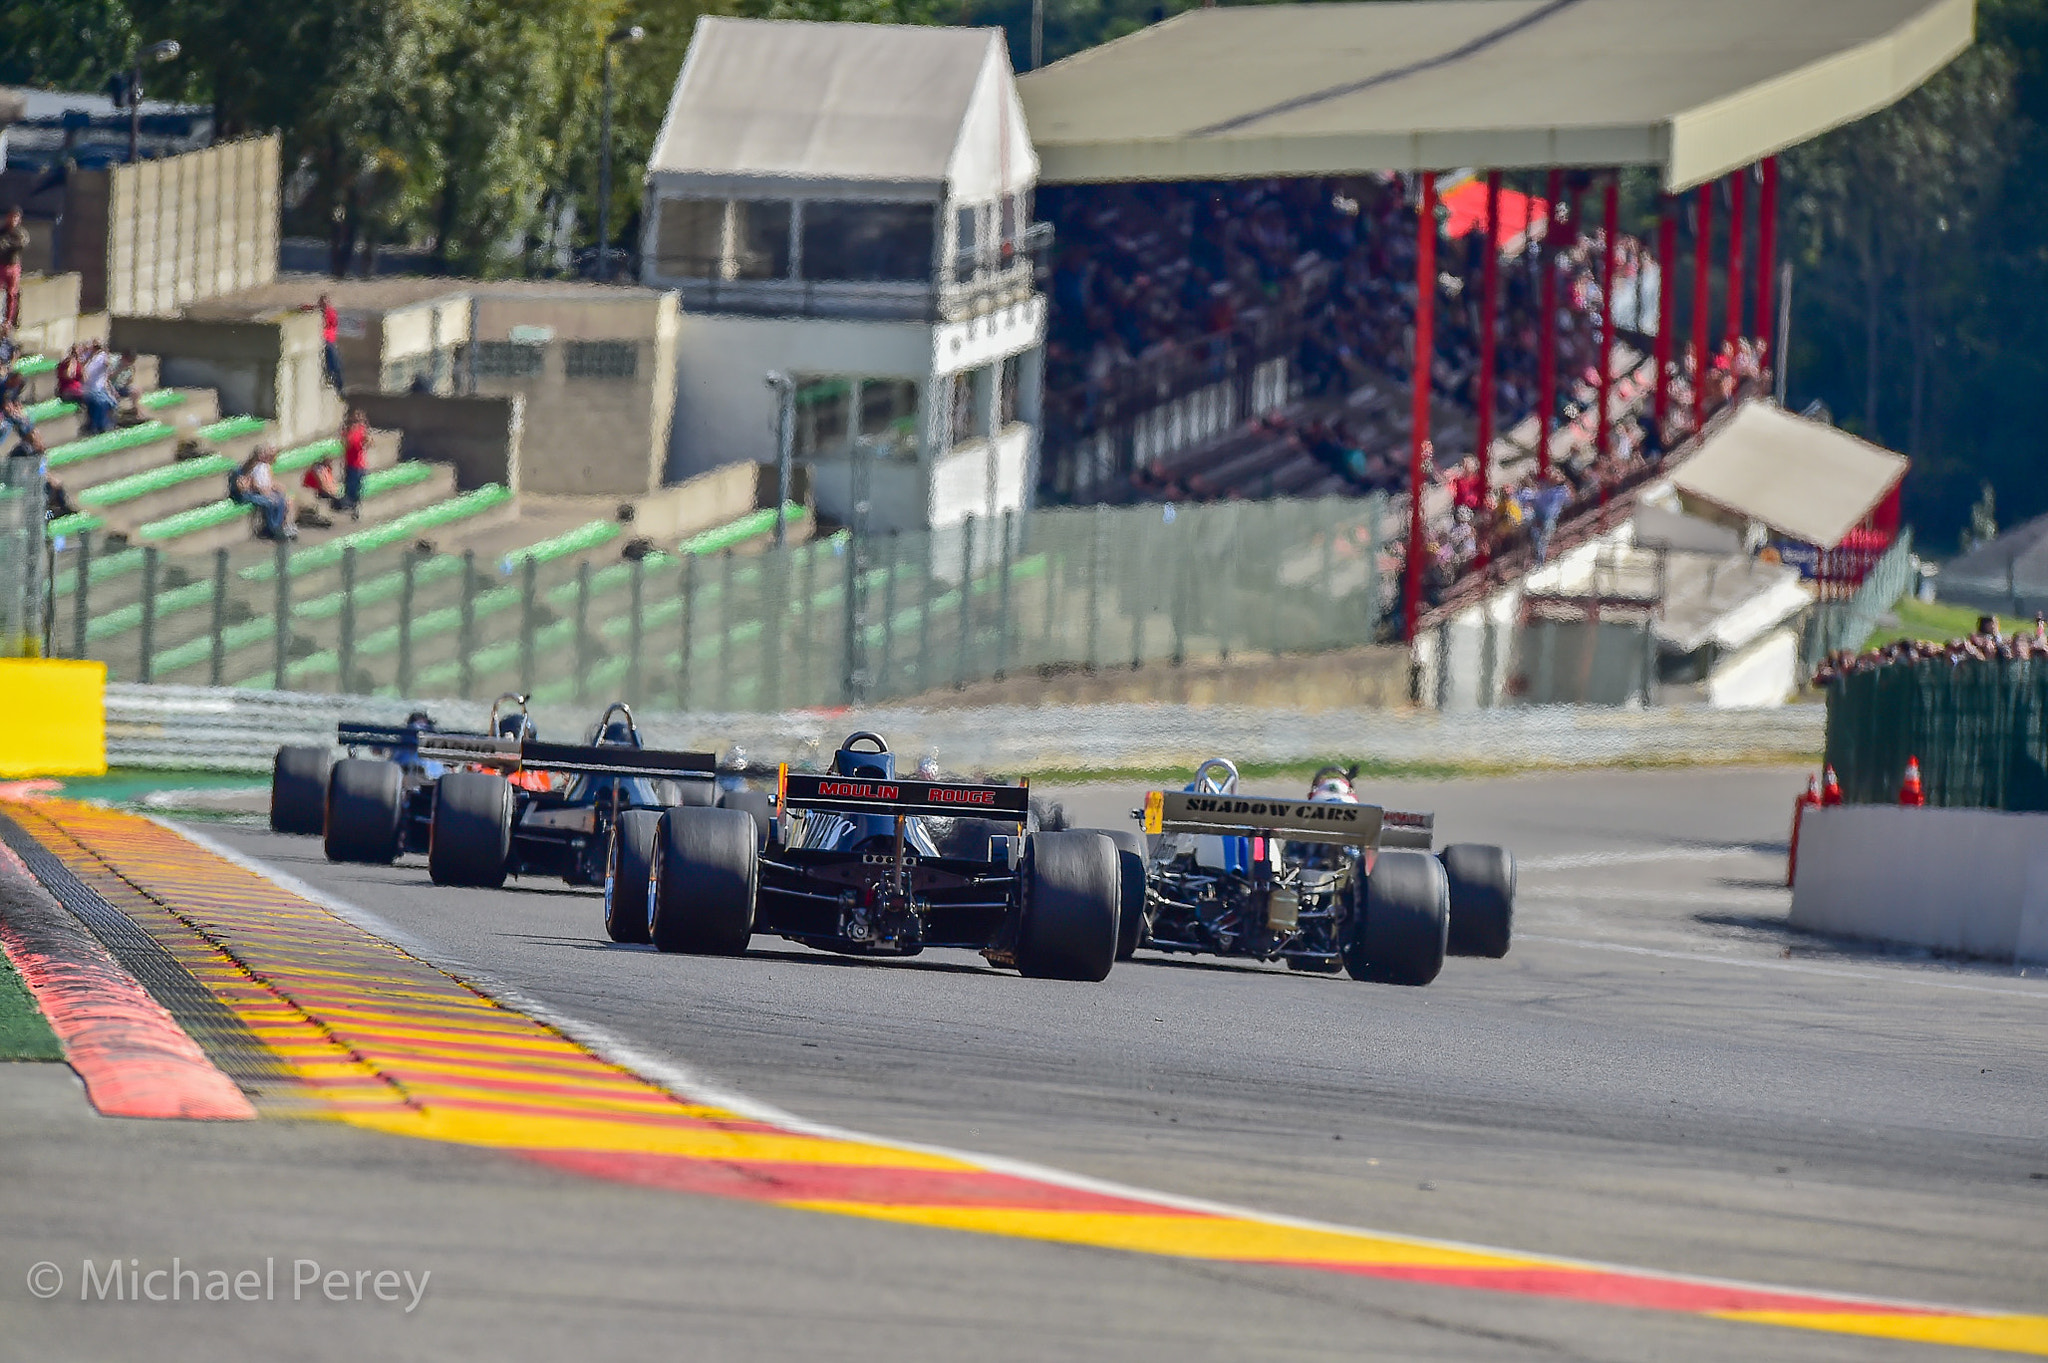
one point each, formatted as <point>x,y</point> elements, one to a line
<point>24,1034</point>
<point>1937,623</point>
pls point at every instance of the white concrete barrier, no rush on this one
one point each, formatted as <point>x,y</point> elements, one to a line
<point>1969,881</point>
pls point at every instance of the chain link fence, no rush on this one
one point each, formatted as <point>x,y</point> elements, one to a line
<point>1979,729</point>
<point>23,558</point>
<point>841,619</point>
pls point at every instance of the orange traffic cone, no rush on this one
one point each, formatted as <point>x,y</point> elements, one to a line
<point>1808,797</point>
<point>1830,788</point>
<point>1910,792</point>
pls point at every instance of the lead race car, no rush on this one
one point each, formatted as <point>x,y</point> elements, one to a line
<point>850,862</point>
<point>302,780</point>
<point>1322,883</point>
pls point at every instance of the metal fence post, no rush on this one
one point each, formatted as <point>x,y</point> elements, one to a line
<point>924,613</point>
<point>529,621</point>
<point>850,684</point>
<point>1095,528</point>
<point>148,642</point>
<point>774,623</point>
<point>408,584</point>
<point>465,639</point>
<point>1374,510</point>
<point>582,663</point>
<point>689,590</point>
<point>886,666</point>
<point>281,613</point>
<point>217,664</point>
<point>636,633</point>
<point>966,601</point>
<point>1007,564</point>
<point>725,630</point>
<point>81,610</point>
<point>345,646</point>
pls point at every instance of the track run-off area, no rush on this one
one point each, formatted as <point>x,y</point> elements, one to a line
<point>1663,1127</point>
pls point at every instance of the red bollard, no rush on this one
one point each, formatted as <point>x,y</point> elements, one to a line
<point>1910,792</point>
<point>1808,797</point>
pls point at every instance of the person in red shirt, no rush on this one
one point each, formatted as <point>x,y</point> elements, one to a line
<point>355,462</point>
<point>330,340</point>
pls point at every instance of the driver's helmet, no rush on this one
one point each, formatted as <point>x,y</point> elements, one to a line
<point>735,759</point>
<point>419,719</point>
<point>1333,791</point>
<point>517,726</point>
<point>617,734</point>
<point>878,765</point>
<point>928,770</point>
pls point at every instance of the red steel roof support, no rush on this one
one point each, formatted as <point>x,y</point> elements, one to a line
<point>1546,330</point>
<point>1702,255</point>
<point>1610,218</point>
<point>1418,434</point>
<point>1667,301</point>
<point>1738,203</point>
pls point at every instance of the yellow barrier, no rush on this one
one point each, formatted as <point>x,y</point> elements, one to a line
<point>53,717</point>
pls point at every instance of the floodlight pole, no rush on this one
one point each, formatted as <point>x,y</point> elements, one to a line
<point>1037,34</point>
<point>1667,305</point>
<point>785,432</point>
<point>1702,255</point>
<point>1489,296</point>
<point>1738,204</point>
<point>1610,217</point>
<point>1418,432</point>
<point>1546,360</point>
<point>157,52</point>
<point>632,33</point>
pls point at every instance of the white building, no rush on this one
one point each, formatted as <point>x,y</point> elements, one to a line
<point>850,204</point>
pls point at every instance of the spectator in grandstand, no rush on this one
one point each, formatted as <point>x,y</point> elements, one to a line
<point>15,421</point>
<point>96,392</point>
<point>330,339</point>
<point>121,383</point>
<point>254,485</point>
<point>355,461</point>
<point>323,484</point>
<point>13,245</point>
<point>1546,502</point>
<point>70,375</point>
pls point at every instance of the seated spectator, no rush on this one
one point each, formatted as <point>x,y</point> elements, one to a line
<point>323,483</point>
<point>56,502</point>
<point>121,382</point>
<point>15,420</point>
<point>96,392</point>
<point>1547,502</point>
<point>71,375</point>
<point>254,485</point>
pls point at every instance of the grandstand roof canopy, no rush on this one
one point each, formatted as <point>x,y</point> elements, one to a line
<point>1695,88</point>
<point>1804,479</point>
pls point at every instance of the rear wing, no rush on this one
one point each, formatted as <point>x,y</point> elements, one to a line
<point>351,735</point>
<point>515,754</point>
<point>1172,811</point>
<point>869,795</point>
<point>1404,829</point>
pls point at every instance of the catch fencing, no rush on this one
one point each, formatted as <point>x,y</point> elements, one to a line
<point>1846,623</point>
<point>723,626</point>
<point>1979,730</point>
<point>23,558</point>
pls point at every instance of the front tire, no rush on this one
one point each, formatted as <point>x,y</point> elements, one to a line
<point>706,869</point>
<point>627,873</point>
<point>1073,890</point>
<point>1400,937</point>
<point>365,811</point>
<point>1482,881</point>
<point>298,790</point>
<point>470,839</point>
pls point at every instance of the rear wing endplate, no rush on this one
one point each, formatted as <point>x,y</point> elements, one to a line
<point>1172,811</point>
<point>868,795</point>
<point>514,754</point>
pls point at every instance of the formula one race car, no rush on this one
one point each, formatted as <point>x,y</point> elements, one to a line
<point>850,862</point>
<point>1323,883</point>
<point>303,782</point>
<point>504,815</point>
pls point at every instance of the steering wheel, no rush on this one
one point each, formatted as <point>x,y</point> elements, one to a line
<point>881,744</point>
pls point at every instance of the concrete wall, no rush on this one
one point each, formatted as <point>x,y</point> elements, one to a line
<point>724,409</point>
<point>385,348</point>
<point>480,436</point>
<point>1764,672</point>
<point>1973,882</point>
<point>49,313</point>
<point>270,367</point>
<point>151,237</point>
<point>586,434</point>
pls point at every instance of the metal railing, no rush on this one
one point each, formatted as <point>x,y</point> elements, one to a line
<point>832,621</point>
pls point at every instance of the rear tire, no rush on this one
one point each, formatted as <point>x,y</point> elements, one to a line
<point>1400,937</point>
<point>1482,881</point>
<point>706,868</point>
<point>696,794</point>
<point>470,839</point>
<point>626,875</point>
<point>1073,890</point>
<point>758,803</point>
<point>1130,913</point>
<point>365,811</point>
<point>298,790</point>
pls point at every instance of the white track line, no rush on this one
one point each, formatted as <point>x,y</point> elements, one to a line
<point>686,1082</point>
<point>1572,861</point>
<point>1788,967</point>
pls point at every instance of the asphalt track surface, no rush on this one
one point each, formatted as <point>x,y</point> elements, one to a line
<point>1659,1075</point>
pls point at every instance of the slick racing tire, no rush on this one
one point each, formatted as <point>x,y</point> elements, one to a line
<point>365,811</point>
<point>298,790</point>
<point>1130,913</point>
<point>758,803</point>
<point>626,875</point>
<point>970,839</point>
<point>1073,890</point>
<point>1400,937</point>
<point>1482,898</point>
<point>696,794</point>
<point>706,869</point>
<point>470,839</point>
